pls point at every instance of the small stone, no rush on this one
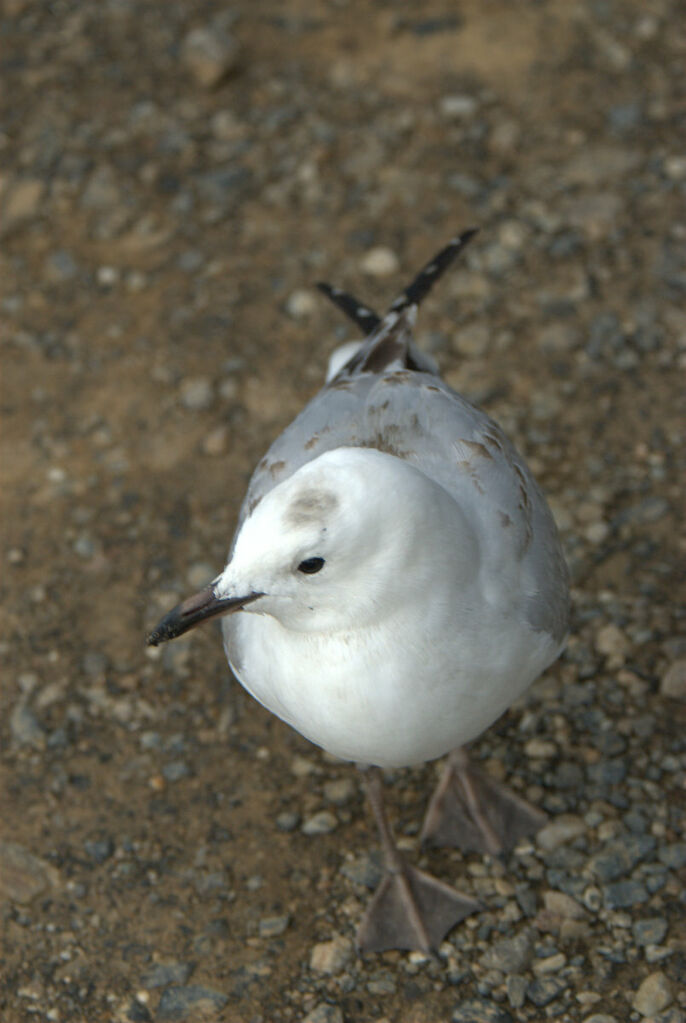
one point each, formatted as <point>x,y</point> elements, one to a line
<point>673,856</point>
<point>543,990</point>
<point>458,107</point>
<point>24,725</point>
<point>99,849</point>
<point>549,964</point>
<point>288,820</point>
<point>613,644</point>
<point>516,986</point>
<point>474,1010</point>
<point>190,1003</point>
<point>562,905</point>
<point>624,894</point>
<point>600,1017</point>
<point>22,203</point>
<point>673,682</point>
<point>675,167</point>
<point>322,823</point>
<point>273,926</point>
<point>365,871</point>
<point>339,791</point>
<point>653,995</point>
<point>509,955</point>
<point>331,957</point>
<point>301,304</point>
<point>540,749</point>
<point>175,771</point>
<point>23,876</point>
<point>650,931</point>
<point>563,829</point>
<point>210,55</point>
<point>197,393</point>
<point>164,974</point>
<point>324,1013</point>
<point>380,262</point>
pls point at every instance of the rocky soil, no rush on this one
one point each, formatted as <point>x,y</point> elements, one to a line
<point>175,176</point>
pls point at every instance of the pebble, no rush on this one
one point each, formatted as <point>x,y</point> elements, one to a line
<point>600,1017</point>
<point>650,931</point>
<point>340,791</point>
<point>675,167</point>
<point>175,771</point>
<point>273,926</point>
<point>332,956</point>
<point>196,393</point>
<point>23,876</point>
<point>624,894</point>
<point>543,990</point>
<point>562,905</point>
<point>540,749</point>
<point>673,682</point>
<point>164,974</point>
<point>509,955</point>
<point>287,820</point>
<point>458,107</point>
<point>301,304</point>
<point>380,262</point>
<point>564,829</point>
<point>549,964</point>
<point>516,985</point>
<point>611,642</point>
<point>673,855</point>
<point>210,54</point>
<point>190,1003</point>
<point>25,727</point>
<point>23,202</point>
<point>366,870</point>
<point>476,1011</point>
<point>322,823</point>
<point>654,994</point>
<point>324,1013</point>
<point>99,849</point>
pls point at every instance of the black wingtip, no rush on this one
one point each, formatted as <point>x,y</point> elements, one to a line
<point>364,317</point>
<point>422,284</point>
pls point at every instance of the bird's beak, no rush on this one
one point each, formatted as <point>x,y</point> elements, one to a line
<point>194,610</point>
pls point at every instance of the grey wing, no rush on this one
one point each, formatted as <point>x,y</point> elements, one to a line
<point>420,418</point>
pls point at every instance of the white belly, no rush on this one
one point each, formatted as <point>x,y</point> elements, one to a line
<point>367,699</point>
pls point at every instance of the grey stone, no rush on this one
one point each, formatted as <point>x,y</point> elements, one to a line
<point>99,849</point>
<point>654,994</point>
<point>210,54</point>
<point>510,955</point>
<point>624,894</point>
<point>176,770</point>
<point>23,876</point>
<point>619,858</point>
<point>192,1002</point>
<point>332,956</point>
<point>673,682</point>
<point>322,823</point>
<point>543,990</point>
<point>324,1013</point>
<point>288,820</point>
<point>477,1011</point>
<point>197,393</point>
<point>650,931</point>
<point>516,986</point>
<point>366,871</point>
<point>273,926</point>
<point>164,974</point>
<point>25,727</point>
<point>673,856</point>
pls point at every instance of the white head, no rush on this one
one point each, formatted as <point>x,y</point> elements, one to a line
<point>345,540</point>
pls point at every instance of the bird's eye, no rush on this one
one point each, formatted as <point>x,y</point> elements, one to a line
<point>311,565</point>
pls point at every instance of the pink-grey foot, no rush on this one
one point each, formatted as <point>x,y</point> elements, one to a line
<point>410,909</point>
<point>472,811</point>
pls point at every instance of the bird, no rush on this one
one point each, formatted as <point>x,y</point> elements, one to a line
<point>395,582</point>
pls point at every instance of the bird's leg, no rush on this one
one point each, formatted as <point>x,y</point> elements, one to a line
<point>410,909</point>
<point>474,812</point>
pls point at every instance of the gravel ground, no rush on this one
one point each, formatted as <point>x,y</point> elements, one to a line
<point>174,178</point>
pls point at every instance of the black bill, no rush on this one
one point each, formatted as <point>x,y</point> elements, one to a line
<point>194,610</point>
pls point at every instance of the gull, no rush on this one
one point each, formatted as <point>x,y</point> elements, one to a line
<point>394,584</point>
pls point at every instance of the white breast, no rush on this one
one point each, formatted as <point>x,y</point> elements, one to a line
<point>393,695</point>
